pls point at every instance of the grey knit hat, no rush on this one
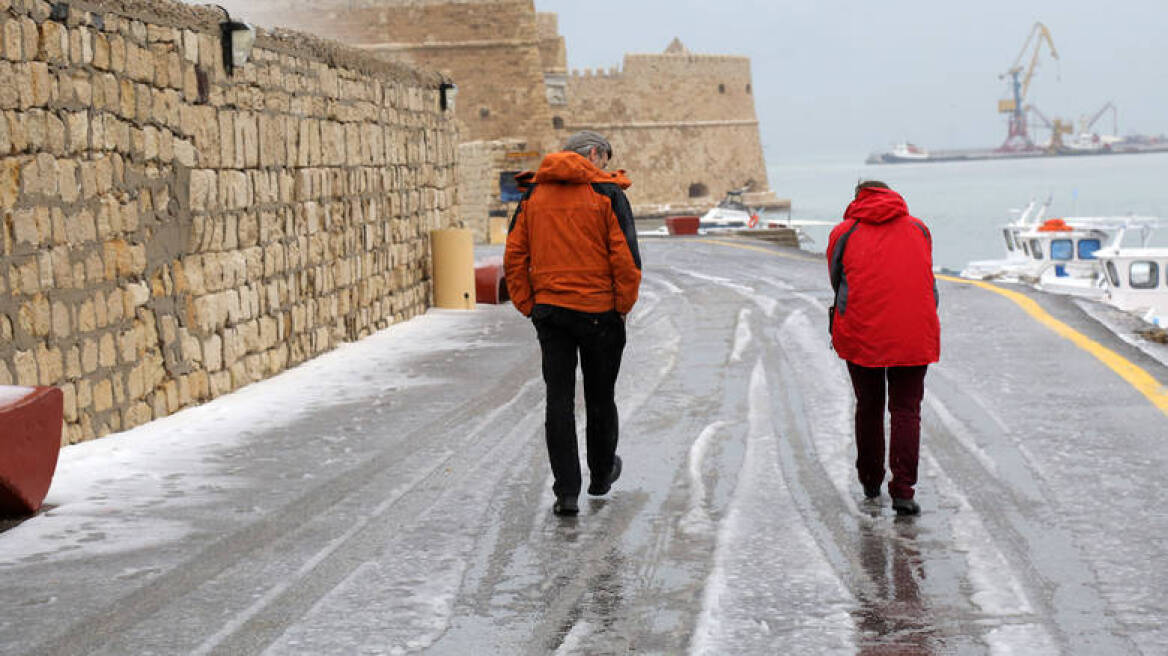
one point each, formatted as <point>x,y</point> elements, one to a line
<point>585,140</point>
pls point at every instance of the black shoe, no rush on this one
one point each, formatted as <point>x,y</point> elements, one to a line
<point>872,491</point>
<point>601,489</point>
<point>566,506</point>
<point>905,506</point>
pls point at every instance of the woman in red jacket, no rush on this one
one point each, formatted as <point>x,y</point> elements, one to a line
<point>884,324</point>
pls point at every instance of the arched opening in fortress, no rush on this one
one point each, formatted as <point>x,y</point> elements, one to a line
<point>558,122</point>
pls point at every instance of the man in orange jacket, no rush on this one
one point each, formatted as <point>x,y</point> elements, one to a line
<point>573,266</point>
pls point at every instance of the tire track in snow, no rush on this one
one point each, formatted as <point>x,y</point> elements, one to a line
<point>770,584</point>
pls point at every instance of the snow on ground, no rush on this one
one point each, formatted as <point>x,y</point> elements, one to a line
<point>150,465</point>
<point>11,394</point>
<point>762,541</point>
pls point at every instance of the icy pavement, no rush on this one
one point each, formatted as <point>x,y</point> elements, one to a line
<point>393,496</point>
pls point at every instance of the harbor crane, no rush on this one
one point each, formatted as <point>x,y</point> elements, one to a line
<point>1057,127</point>
<point>1086,124</point>
<point>1018,138</point>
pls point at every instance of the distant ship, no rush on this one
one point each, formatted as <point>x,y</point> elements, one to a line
<point>905,152</point>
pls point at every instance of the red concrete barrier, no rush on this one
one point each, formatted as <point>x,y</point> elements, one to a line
<point>491,282</point>
<point>682,225</point>
<point>30,440</point>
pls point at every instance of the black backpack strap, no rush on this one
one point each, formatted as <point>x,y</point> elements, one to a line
<point>837,272</point>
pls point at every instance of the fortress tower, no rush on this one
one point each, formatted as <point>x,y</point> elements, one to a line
<point>682,124</point>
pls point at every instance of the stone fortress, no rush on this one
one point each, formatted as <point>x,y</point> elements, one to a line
<point>682,124</point>
<point>171,231</point>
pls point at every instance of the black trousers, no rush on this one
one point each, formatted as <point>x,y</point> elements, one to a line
<point>599,339</point>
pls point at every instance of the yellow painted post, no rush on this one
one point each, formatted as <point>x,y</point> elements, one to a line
<point>454,280</point>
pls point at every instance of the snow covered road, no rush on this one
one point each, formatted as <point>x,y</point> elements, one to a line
<point>393,496</point>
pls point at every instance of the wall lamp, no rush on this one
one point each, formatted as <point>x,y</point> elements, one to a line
<point>446,93</point>
<point>238,39</point>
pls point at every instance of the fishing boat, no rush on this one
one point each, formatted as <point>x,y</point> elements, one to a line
<point>1136,280</point>
<point>1059,254</point>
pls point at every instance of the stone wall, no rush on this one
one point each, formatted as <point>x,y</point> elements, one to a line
<point>170,233</point>
<point>682,124</point>
<point>480,164</point>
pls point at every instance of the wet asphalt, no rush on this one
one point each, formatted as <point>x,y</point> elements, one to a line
<point>418,518</point>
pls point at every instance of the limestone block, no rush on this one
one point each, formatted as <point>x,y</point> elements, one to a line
<point>86,317</point>
<point>5,374</point>
<point>204,190</point>
<point>184,152</point>
<point>62,320</point>
<point>230,149</point>
<point>190,46</point>
<point>25,365</point>
<point>143,104</point>
<point>273,150</point>
<point>117,53</point>
<point>81,46</point>
<point>247,138</point>
<point>213,353</point>
<point>13,41</point>
<point>170,390</point>
<point>40,175</point>
<point>135,383</point>
<point>77,132</point>
<point>136,295</point>
<point>50,365</point>
<point>30,38</point>
<point>101,52</point>
<point>234,190</point>
<point>26,229</point>
<point>68,182</point>
<point>190,348</point>
<point>136,415</point>
<point>54,43</point>
<point>139,63</point>
<point>127,103</point>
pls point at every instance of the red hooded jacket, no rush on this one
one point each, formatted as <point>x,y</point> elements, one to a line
<point>572,241</point>
<point>886,307</point>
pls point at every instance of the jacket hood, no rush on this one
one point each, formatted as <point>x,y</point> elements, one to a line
<point>876,205</point>
<point>567,166</point>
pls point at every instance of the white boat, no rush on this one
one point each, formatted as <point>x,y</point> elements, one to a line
<point>1136,280</point>
<point>1059,254</point>
<point>729,214</point>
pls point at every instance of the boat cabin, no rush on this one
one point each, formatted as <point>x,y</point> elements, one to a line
<point>1137,279</point>
<point>1058,246</point>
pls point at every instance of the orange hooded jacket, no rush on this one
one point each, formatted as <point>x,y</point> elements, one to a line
<point>572,242</point>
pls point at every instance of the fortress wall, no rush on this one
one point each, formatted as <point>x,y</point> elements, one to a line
<point>675,120</point>
<point>663,162</point>
<point>481,163</point>
<point>169,234</point>
<point>490,48</point>
<point>552,49</point>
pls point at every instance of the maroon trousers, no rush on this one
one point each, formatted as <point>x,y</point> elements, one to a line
<point>905,389</point>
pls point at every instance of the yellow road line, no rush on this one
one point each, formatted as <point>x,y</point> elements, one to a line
<point>1134,375</point>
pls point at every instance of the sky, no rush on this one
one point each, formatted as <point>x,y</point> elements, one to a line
<point>839,78</point>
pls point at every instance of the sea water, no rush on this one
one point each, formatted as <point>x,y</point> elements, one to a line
<point>966,203</point>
